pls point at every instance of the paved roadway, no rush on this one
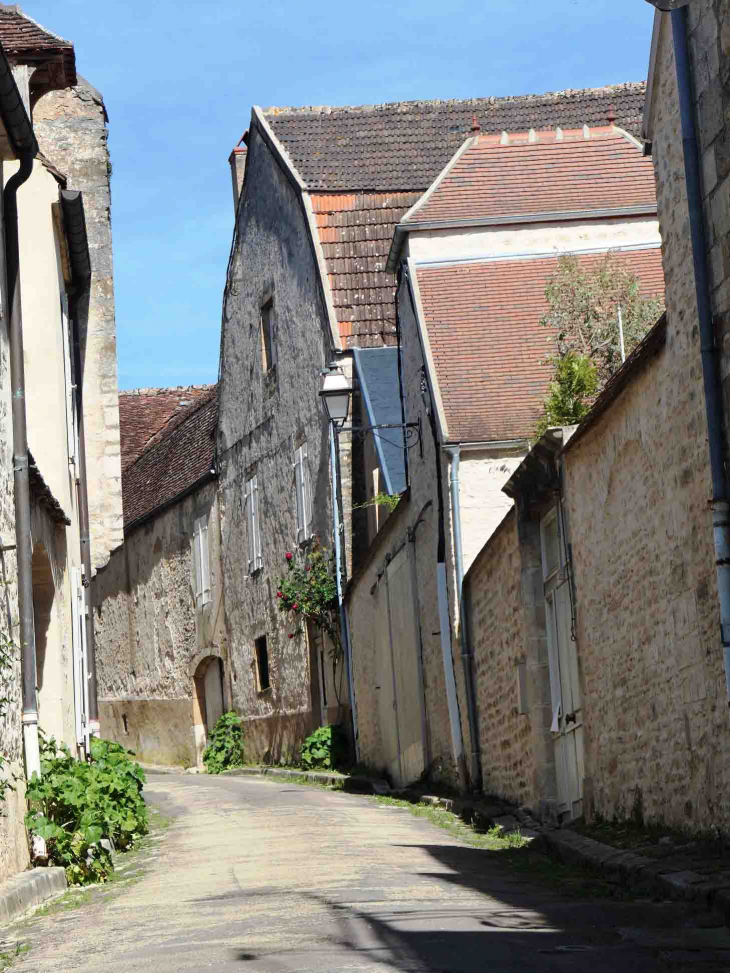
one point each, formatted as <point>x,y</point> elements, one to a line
<point>258,877</point>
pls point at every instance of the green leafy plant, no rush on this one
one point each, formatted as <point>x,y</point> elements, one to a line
<point>84,809</point>
<point>326,748</point>
<point>583,307</point>
<point>389,500</point>
<point>575,383</point>
<point>308,592</point>
<point>225,746</point>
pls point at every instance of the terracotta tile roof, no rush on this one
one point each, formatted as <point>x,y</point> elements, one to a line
<point>180,455</point>
<point>488,347</point>
<point>356,231</point>
<point>366,166</point>
<point>143,412</point>
<point>567,172</point>
<point>403,146</point>
<point>25,40</point>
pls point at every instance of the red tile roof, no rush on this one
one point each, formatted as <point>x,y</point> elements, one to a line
<point>366,166</point>
<point>566,172</point>
<point>144,412</point>
<point>180,455</point>
<point>487,343</point>
<point>25,40</point>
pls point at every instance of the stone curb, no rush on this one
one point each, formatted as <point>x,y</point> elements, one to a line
<point>355,785</point>
<point>29,889</point>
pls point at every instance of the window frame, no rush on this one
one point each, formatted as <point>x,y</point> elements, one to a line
<point>303,494</point>
<point>261,661</point>
<point>268,335</point>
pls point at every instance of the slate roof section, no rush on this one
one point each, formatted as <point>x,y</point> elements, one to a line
<point>488,346</point>
<point>366,166</point>
<point>179,456</point>
<point>403,146</point>
<point>26,40</point>
<point>377,372</point>
<point>541,174</point>
<point>144,412</point>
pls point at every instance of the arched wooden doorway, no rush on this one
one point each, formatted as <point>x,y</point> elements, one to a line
<point>49,677</point>
<point>208,700</point>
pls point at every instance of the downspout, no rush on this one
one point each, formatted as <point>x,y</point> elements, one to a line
<point>344,621</point>
<point>467,659</point>
<point>23,541</point>
<point>710,372</point>
<point>76,231</point>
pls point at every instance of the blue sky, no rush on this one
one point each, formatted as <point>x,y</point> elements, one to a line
<point>179,78</point>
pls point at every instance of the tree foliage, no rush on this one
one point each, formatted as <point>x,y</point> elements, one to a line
<point>583,305</point>
<point>575,382</point>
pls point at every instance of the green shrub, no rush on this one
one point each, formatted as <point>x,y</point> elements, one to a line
<point>225,747</point>
<point>327,748</point>
<point>75,806</point>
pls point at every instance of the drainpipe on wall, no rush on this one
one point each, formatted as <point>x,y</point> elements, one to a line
<point>23,541</point>
<point>467,659</point>
<point>710,372</point>
<point>73,211</point>
<point>344,621</point>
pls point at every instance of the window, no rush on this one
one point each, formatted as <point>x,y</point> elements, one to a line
<point>268,348</point>
<point>71,422</point>
<point>550,535</point>
<point>262,664</point>
<point>303,486</point>
<point>201,561</point>
<point>255,556</point>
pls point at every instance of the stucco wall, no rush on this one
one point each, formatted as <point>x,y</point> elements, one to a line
<point>71,127</point>
<point>263,419</point>
<point>150,636</point>
<point>495,620</point>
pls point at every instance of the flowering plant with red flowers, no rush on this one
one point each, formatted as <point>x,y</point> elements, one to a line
<point>308,592</point>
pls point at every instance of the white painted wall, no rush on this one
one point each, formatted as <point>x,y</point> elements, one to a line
<point>529,240</point>
<point>482,474</point>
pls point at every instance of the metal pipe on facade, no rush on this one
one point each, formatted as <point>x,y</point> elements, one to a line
<point>24,551</point>
<point>710,371</point>
<point>344,621</point>
<point>467,659</point>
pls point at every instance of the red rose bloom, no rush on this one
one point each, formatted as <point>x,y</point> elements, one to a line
<point>294,606</point>
<point>291,635</point>
<point>289,555</point>
<point>279,594</point>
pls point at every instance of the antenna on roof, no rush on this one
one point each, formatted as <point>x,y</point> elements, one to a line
<point>475,126</point>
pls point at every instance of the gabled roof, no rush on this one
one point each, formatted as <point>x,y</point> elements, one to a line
<point>377,372</point>
<point>25,41</point>
<point>366,166</point>
<point>488,347</point>
<point>144,412</point>
<point>534,175</point>
<point>177,459</point>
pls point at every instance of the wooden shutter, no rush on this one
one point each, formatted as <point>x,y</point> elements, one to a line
<point>203,561</point>
<point>307,494</point>
<point>250,520</point>
<point>258,553</point>
<point>197,560</point>
<point>299,489</point>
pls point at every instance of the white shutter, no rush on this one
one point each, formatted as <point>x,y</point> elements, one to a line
<point>299,489</point>
<point>250,519</point>
<point>307,490</point>
<point>258,553</point>
<point>204,561</point>
<point>69,386</point>
<point>197,560</point>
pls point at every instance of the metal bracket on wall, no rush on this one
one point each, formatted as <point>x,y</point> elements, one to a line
<point>5,544</point>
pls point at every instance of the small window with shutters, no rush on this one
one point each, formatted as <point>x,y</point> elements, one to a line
<point>303,488</point>
<point>251,502</point>
<point>201,561</point>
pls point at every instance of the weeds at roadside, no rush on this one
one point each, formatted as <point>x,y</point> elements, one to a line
<point>8,956</point>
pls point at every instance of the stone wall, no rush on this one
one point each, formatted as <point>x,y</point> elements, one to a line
<point>151,637</point>
<point>71,127</point>
<point>264,417</point>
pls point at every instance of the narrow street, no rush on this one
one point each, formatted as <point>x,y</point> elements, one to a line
<point>282,878</point>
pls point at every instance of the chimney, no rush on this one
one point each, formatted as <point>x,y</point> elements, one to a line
<point>237,162</point>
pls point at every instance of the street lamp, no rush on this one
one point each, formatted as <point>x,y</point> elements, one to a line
<point>336,394</point>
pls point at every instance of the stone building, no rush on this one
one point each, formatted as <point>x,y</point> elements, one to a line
<point>474,256</point>
<point>164,677</point>
<point>54,311</point>
<point>322,192</point>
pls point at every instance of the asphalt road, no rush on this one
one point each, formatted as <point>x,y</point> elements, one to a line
<point>276,878</point>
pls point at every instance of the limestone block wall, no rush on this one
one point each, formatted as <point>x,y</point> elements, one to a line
<point>264,417</point>
<point>482,474</point>
<point>71,127</point>
<point>150,637</point>
<point>636,495</point>
<point>494,616</point>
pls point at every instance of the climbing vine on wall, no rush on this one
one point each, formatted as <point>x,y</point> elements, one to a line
<point>308,592</point>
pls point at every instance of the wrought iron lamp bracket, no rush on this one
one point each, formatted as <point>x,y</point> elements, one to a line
<point>411,432</point>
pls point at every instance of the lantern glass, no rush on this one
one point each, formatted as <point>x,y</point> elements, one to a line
<point>336,393</point>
